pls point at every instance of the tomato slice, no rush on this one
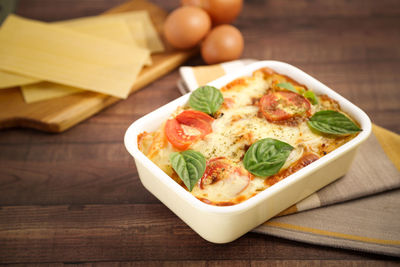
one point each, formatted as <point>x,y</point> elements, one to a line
<point>188,127</point>
<point>284,105</point>
<point>216,169</point>
<point>223,173</point>
<point>196,119</point>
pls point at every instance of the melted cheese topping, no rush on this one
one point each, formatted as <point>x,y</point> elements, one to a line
<point>238,125</point>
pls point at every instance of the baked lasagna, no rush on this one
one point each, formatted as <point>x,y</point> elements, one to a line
<point>228,144</point>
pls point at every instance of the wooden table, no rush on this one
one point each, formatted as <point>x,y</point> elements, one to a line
<point>76,197</point>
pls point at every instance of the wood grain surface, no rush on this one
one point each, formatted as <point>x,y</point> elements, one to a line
<point>75,198</point>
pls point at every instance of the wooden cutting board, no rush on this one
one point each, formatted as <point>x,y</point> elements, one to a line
<point>59,114</point>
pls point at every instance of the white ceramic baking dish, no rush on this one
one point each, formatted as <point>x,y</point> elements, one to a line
<point>224,224</point>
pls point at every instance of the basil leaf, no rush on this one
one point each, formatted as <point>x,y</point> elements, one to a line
<point>207,99</point>
<point>266,157</point>
<point>311,96</point>
<point>332,122</point>
<point>190,166</point>
<point>287,86</point>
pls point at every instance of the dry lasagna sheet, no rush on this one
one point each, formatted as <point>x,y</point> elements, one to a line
<point>238,124</point>
<point>115,30</point>
<point>36,44</point>
<point>68,57</point>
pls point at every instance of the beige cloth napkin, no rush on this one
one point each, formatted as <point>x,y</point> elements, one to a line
<point>328,218</point>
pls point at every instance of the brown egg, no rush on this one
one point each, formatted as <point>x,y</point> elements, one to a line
<point>186,26</point>
<point>223,43</point>
<point>220,11</point>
